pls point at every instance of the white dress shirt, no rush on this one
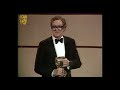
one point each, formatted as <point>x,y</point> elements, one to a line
<point>59,47</point>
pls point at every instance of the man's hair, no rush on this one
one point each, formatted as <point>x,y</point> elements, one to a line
<point>59,18</point>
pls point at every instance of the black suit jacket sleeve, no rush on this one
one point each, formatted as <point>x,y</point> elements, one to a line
<point>41,65</point>
<point>73,56</point>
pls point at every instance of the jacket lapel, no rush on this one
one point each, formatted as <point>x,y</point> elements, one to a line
<point>52,48</point>
<point>66,46</point>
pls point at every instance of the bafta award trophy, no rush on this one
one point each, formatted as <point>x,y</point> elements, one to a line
<point>59,64</point>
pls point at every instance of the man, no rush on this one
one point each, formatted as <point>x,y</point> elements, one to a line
<point>57,45</point>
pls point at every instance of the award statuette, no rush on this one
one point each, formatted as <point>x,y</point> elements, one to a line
<point>59,64</point>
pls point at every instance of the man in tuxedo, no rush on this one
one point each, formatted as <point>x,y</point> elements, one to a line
<point>57,45</point>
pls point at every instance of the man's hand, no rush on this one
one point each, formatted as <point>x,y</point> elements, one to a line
<point>60,72</point>
<point>65,62</point>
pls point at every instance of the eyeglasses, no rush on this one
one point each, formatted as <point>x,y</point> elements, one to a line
<point>58,27</point>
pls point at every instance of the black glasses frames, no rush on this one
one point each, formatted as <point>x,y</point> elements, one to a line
<point>58,27</point>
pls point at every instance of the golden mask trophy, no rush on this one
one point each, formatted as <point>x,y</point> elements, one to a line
<point>59,64</point>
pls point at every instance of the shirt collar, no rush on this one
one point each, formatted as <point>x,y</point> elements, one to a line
<point>55,38</point>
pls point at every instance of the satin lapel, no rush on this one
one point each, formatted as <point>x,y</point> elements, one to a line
<point>52,48</point>
<point>66,46</point>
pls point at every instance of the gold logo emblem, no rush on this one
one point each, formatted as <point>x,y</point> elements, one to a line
<point>23,19</point>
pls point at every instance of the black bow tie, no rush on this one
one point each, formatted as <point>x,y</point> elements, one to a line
<point>57,40</point>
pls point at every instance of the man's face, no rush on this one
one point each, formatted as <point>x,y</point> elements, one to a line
<point>57,28</point>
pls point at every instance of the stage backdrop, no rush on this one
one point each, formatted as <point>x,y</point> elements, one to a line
<point>86,29</point>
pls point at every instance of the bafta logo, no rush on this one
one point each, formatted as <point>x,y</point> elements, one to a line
<point>23,19</point>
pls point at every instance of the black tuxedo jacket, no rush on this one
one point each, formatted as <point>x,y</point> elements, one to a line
<point>45,57</point>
